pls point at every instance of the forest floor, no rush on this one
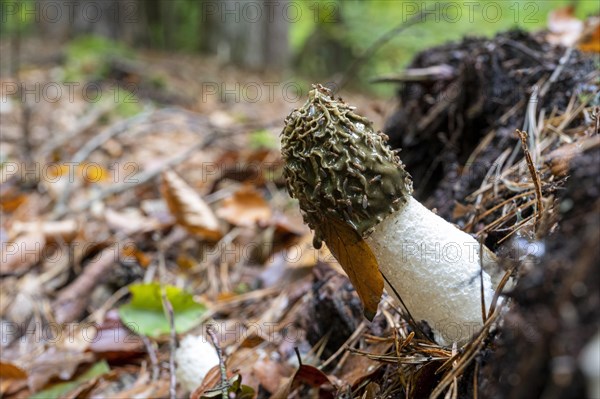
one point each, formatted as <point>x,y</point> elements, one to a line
<point>143,206</point>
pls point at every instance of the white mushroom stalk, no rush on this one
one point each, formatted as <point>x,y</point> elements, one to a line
<point>340,169</point>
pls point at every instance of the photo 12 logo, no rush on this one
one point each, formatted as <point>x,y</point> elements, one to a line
<point>53,333</point>
<point>251,92</point>
<point>270,11</point>
<point>52,92</point>
<point>60,11</point>
<point>470,11</point>
<point>71,172</point>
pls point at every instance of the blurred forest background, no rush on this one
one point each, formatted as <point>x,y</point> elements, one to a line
<point>315,39</point>
<point>142,193</point>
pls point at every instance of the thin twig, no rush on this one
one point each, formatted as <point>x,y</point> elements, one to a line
<point>344,347</point>
<point>499,290</point>
<point>213,338</point>
<point>114,130</point>
<point>533,54</point>
<point>515,228</point>
<point>561,65</point>
<point>142,178</point>
<point>534,176</point>
<point>98,315</point>
<point>495,225</point>
<point>83,124</point>
<point>466,357</point>
<point>168,308</point>
<point>514,198</point>
<point>98,140</point>
<point>153,117</point>
<point>152,355</point>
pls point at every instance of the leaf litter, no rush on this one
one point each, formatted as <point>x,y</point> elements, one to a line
<point>170,204</point>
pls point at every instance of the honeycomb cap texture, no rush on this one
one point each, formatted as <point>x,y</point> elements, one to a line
<point>338,166</point>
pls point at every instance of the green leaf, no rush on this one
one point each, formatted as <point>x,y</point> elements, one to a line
<point>236,388</point>
<point>145,314</point>
<point>58,390</point>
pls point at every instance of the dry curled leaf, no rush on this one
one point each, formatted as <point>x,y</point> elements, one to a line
<point>10,201</point>
<point>357,260</point>
<point>11,371</point>
<point>307,375</point>
<point>189,208</point>
<point>245,207</point>
<point>590,39</point>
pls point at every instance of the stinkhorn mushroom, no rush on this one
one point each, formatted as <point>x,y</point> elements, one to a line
<point>195,357</point>
<point>343,173</point>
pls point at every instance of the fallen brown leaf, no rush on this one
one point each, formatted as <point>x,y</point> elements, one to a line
<point>11,371</point>
<point>54,362</point>
<point>211,380</point>
<point>114,341</point>
<point>245,207</point>
<point>357,260</point>
<point>149,389</point>
<point>590,41</point>
<point>189,208</point>
<point>308,375</point>
<point>11,201</point>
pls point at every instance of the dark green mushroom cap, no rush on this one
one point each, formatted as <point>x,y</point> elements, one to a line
<point>337,166</point>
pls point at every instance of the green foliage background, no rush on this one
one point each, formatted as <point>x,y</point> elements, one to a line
<point>365,21</point>
<point>350,26</point>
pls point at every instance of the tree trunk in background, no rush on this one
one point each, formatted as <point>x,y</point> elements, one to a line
<point>123,20</point>
<point>330,52</point>
<point>168,22</point>
<point>117,20</point>
<point>55,21</point>
<point>276,39</point>
<point>250,34</point>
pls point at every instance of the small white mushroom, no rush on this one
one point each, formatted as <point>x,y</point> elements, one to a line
<point>194,358</point>
<point>340,169</point>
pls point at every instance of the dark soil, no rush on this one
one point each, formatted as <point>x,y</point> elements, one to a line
<point>441,120</point>
<point>333,311</point>
<point>556,305</point>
